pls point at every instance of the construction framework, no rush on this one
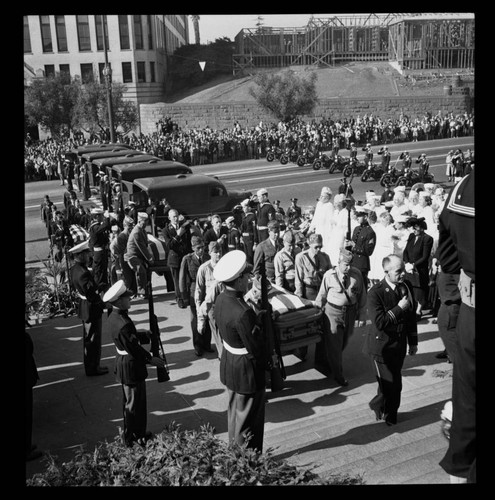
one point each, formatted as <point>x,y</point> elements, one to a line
<point>408,41</point>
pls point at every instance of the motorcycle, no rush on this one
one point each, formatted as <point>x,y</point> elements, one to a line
<point>373,172</point>
<point>354,167</point>
<point>413,177</point>
<point>390,178</point>
<point>305,158</point>
<point>323,161</point>
<point>273,154</point>
<point>287,156</point>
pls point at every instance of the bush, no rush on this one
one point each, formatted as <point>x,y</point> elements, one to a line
<point>177,458</point>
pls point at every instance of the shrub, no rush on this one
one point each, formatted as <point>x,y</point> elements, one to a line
<point>177,458</point>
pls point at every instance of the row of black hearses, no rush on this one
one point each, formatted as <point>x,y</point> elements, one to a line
<point>146,178</point>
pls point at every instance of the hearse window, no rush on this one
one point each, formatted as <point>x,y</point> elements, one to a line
<point>217,191</point>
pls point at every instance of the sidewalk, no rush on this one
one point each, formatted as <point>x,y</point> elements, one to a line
<point>312,422</point>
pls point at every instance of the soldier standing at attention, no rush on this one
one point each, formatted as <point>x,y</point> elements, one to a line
<point>90,308</point>
<point>243,360</point>
<point>130,364</point>
<point>248,230</point>
<point>266,213</point>
<point>362,243</point>
<point>99,244</point>
<point>342,296</point>
<point>266,250</point>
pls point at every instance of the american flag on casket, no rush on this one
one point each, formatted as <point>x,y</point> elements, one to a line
<point>159,251</point>
<point>78,233</point>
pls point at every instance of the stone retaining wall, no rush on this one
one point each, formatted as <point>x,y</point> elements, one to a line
<point>220,116</point>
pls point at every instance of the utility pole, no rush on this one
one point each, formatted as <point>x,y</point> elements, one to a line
<point>107,73</point>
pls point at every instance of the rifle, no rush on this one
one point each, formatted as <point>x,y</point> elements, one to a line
<point>155,340</point>
<point>276,364</point>
<point>348,201</point>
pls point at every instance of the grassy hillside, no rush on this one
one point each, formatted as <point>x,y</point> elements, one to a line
<point>372,79</point>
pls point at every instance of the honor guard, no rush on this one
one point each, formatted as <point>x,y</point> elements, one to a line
<point>243,360</point>
<point>90,308</point>
<point>99,244</point>
<point>248,230</point>
<point>362,243</point>
<point>266,213</point>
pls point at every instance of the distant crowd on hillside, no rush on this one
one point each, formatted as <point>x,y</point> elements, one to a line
<point>43,160</point>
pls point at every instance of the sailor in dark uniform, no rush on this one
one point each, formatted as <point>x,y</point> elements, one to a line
<point>248,230</point>
<point>99,244</point>
<point>456,242</point>
<point>130,364</point>
<point>266,213</point>
<point>362,243</point>
<point>90,308</point>
<point>243,361</point>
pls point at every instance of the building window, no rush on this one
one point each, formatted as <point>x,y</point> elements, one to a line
<point>141,72</point>
<point>83,33</point>
<point>125,43</point>
<point>46,34</point>
<point>150,32</point>
<point>99,33</point>
<point>138,32</point>
<point>127,72</point>
<point>65,72</point>
<point>87,73</point>
<point>101,67</point>
<point>61,34</point>
<point>49,70</point>
<point>152,71</point>
<point>27,36</point>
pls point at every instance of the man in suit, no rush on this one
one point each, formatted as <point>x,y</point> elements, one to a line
<point>178,243</point>
<point>243,360</point>
<point>267,250</point>
<point>391,308</point>
<point>187,279</point>
<point>130,363</point>
<point>90,308</point>
<point>217,233</point>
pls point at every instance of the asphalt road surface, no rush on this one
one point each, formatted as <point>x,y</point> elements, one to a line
<point>283,182</point>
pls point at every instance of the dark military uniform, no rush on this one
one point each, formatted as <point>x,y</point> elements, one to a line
<point>187,285</point>
<point>90,310</point>
<point>242,367</point>
<point>457,242</point>
<point>249,235</point>
<point>365,240</point>
<point>130,370</point>
<point>266,213</point>
<point>99,244</point>
<point>392,330</point>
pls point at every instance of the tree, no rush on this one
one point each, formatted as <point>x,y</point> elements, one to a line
<point>50,102</point>
<point>91,112</point>
<point>285,94</point>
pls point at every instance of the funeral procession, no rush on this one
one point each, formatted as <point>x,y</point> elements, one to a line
<point>249,250</point>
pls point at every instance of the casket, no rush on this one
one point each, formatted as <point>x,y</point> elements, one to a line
<point>159,251</point>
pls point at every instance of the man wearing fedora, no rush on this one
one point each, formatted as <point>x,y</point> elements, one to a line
<point>90,308</point>
<point>187,285</point>
<point>243,360</point>
<point>130,363</point>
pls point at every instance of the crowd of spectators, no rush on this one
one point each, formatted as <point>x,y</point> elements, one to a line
<point>43,160</point>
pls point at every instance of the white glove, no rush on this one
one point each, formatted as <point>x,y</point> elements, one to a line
<point>409,267</point>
